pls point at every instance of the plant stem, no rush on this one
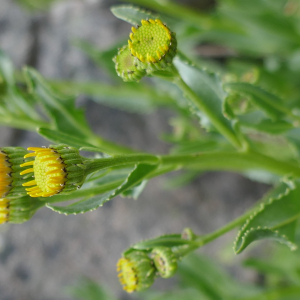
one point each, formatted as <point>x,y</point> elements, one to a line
<point>232,161</point>
<point>215,120</point>
<point>228,161</point>
<point>93,165</point>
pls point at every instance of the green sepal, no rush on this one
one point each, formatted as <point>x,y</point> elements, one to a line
<point>74,167</point>
<point>22,209</point>
<point>15,157</point>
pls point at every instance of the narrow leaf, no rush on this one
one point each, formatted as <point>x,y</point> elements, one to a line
<point>139,173</point>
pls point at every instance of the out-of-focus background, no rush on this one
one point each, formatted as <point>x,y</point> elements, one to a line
<point>43,256</point>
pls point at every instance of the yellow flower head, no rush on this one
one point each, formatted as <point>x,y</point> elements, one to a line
<point>153,44</point>
<point>136,272</point>
<point>55,169</point>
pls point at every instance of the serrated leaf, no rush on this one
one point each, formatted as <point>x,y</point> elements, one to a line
<point>272,105</point>
<point>60,109</point>
<point>274,219</point>
<point>132,14</point>
<point>168,240</point>
<point>139,173</point>
<point>209,88</point>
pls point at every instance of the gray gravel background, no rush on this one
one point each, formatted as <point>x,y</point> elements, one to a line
<point>40,258</point>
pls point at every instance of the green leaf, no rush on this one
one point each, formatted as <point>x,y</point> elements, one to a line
<point>203,274</point>
<point>269,126</point>
<point>132,97</point>
<point>14,100</point>
<point>132,14</point>
<point>86,289</point>
<point>59,137</point>
<point>135,191</point>
<point>272,105</point>
<point>139,173</point>
<point>59,108</point>
<point>274,219</point>
<point>209,88</point>
<point>168,240</point>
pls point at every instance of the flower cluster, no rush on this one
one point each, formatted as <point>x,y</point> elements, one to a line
<point>137,270</point>
<point>151,47</point>
<point>26,178</point>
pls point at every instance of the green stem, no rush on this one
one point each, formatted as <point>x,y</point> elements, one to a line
<point>200,104</point>
<point>232,161</point>
<point>93,165</point>
<point>228,161</point>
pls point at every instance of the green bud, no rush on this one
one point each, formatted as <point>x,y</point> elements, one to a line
<point>136,271</point>
<point>127,66</point>
<point>165,261</point>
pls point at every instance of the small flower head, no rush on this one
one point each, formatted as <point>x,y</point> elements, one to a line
<point>57,169</point>
<point>18,210</point>
<point>136,271</point>
<point>10,179</point>
<point>153,44</point>
<point>126,65</point>
<point>165,261</point>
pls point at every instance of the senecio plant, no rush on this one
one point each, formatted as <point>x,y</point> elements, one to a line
<point>244,128</point>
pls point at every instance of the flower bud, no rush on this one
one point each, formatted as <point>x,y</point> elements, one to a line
<point>10,179</point>
<point>136,271</point>
<point>126,65</point>
<point>18,210</point>
<point>153,44</point>
<point>56,170</point>
<point>165,261</point>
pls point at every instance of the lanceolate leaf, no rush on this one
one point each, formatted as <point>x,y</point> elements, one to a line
<point>139,173</point>
<point>60,109</point>
<point>274,219</point>
<point>208,87</point>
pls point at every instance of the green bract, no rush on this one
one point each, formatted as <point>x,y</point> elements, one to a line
<point>165,261</point>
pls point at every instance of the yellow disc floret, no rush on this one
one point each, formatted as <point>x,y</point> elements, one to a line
<point>49,172</point>
<point>5,175</point>
<point>151,41</point>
